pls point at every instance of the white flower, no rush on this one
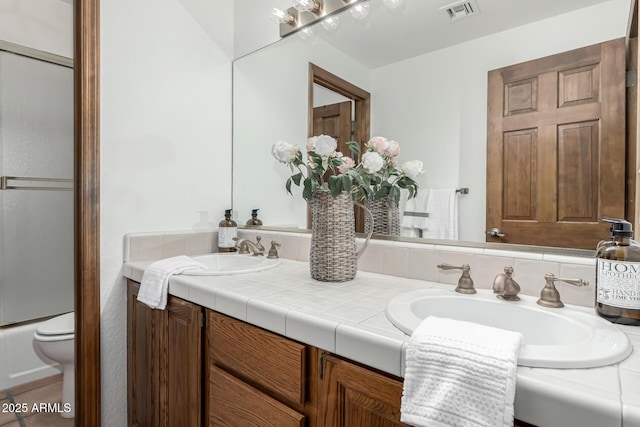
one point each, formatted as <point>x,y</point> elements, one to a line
<point>284,151</point>
<point>325,145</point>
<point>412,168</point>
<point>372,162</point>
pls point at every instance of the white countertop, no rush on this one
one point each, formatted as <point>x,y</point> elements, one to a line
<point>348,319</point>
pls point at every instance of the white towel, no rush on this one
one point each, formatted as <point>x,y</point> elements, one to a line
<point>460,374</point>
<point>155,279</point>
<point>415,215</point>
<point>443,214</point>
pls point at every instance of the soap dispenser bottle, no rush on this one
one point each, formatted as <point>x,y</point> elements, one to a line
<point>227,231</point>
<point>618,275</point>
<point>254,221</point>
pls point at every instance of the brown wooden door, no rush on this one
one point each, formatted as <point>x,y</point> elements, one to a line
<point>353,396</point>
<point>556,147</point>
<point>335,120</point>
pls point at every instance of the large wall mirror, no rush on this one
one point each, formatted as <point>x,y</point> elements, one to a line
<point>427,76</point>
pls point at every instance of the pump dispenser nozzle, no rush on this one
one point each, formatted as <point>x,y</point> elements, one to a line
<point>619,227</point>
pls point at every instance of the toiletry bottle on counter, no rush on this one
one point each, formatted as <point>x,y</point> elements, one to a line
<point>228,230</point>
<point>618,275</point>
<point>254,221</point>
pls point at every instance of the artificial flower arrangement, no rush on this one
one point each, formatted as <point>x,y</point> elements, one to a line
<point>375,177</point>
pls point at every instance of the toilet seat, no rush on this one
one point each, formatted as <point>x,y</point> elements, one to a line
<point>57,328</point>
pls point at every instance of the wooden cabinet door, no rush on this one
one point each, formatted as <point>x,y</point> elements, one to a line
<point>164,363</point>
<point>181,356</point>
<point>143,361</point>
<point>556,147</point>
<point>353,396</point>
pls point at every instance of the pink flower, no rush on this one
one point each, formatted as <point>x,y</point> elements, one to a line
<point>378,144</point>
<point>347,165</point>
<point>393,149</point>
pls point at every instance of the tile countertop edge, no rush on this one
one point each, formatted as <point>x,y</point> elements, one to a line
<point>537,402</point>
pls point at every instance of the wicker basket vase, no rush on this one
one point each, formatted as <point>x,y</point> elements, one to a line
<point>334,257</point>
<point>386,217</point>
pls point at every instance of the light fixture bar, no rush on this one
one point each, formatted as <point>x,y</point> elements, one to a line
<point>305,19</point>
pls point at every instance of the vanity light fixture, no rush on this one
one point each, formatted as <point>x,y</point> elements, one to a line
<point>330,23</point>
<point>313,6</point>
<point>360,10</point>
<point>280,16</point>
<point>305,13</point>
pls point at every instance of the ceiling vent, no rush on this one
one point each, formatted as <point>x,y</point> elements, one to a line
<point>461,9</point>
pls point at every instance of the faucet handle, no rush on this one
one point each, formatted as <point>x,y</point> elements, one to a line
<point>465,283</point>
<point>273,251</point>
<point>549,296</point>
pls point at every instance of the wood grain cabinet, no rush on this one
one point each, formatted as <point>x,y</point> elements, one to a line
<point>232,374</point>
<point>258,378</point>
<point>164,363</point>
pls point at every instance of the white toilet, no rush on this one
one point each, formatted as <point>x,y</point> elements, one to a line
<point>54,341</point>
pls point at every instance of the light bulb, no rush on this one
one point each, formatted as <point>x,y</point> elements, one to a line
<point>392,4</point>
<point>330,23</point>
<point>312,6</point>
<point>360,10</point>
<point>306,33</point>
<point>280,16</point>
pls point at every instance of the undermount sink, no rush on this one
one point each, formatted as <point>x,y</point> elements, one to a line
<point>223,264</point>
<point>569,337</point>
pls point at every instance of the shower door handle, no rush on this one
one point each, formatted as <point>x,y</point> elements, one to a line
<point>5,184</point>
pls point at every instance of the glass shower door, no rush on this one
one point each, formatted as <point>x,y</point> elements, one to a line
<point>36,197</point>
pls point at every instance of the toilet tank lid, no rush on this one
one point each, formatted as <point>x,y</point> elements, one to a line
<point>59,325</point>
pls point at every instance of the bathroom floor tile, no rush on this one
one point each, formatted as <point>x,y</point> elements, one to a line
<point>6,417</point>
<point>36,384</point>
<point>48,419</point>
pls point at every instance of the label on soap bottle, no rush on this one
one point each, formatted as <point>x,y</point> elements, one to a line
<point>618,283</point>
<point>226,235</point>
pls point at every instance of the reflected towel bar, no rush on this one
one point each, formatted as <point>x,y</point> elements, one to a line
<point>464,190</point>
<point>4,183</point>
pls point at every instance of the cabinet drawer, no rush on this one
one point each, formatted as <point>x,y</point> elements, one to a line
<point>236,404</point>
<point>258,356</point>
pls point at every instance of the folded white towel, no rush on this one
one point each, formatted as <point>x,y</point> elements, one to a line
<point>155,279</point>
<point>443,214</point>
<point>415,213</point>
<point>460,374</point>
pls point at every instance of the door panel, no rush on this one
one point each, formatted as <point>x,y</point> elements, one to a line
<point>556,146</point>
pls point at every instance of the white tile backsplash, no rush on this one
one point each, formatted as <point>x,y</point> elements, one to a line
<point>408,260</point>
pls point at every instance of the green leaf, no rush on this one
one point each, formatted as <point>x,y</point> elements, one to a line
<point>354,147</point>
<point>336,185</point>
<point>346,183</point>
<point>308,189</point>
<point>297,178</point>
<point>288,186</point>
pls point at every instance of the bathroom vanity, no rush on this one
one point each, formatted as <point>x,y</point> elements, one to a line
<point>276,346</point>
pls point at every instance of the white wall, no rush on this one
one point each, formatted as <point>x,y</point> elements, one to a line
<point>165,144</point>
<point>446,112</point>
<point>45,25</point>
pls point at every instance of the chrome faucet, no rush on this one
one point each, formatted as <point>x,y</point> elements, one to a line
<point>245,246</point>
<point>465,283</point>
<point>549,296</point>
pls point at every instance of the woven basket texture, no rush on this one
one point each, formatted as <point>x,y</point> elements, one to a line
<point>386,217</point>
<point>333,255</point>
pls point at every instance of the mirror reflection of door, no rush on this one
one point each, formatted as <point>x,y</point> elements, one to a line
<point>555,146</point>
<point>339,109</point>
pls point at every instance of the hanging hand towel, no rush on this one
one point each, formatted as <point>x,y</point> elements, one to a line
<point>460,374</point>
<point>415,216</point>
<point>443,214</point>
<point>155,279</point>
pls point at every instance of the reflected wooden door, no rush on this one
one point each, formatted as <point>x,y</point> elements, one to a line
<point>556,147</point>
<point>335,120</point>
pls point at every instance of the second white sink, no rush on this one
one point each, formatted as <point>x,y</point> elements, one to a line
<point>223,264</point>
<point>569,337</point>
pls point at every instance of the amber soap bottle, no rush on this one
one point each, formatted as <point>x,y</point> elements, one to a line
<point>618,275</point>
<point>227,231</point>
